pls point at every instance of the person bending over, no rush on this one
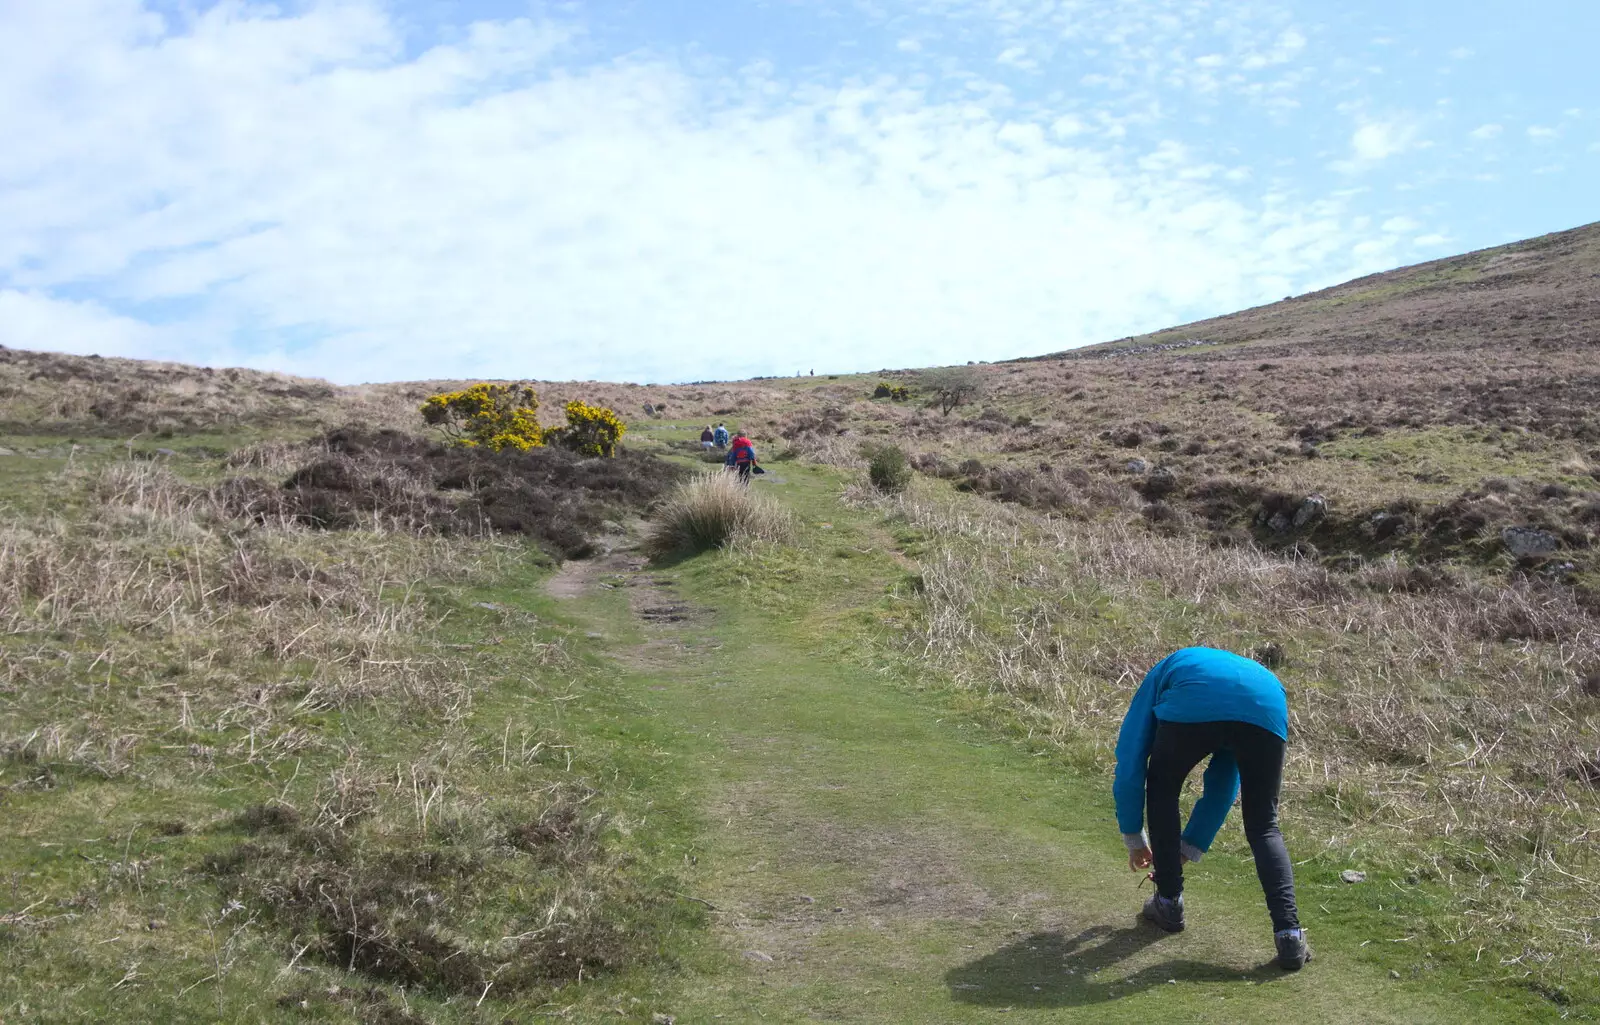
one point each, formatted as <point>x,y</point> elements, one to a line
<point>1198,703</point>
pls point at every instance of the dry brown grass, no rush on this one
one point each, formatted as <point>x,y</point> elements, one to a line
<point>1441,728</point>
<point>244,631</point>
<point>164,660</point>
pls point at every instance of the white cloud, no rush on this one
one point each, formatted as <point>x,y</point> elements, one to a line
<point>1017,57</point>
<point>1430,241</point>
<point>1376,141</point>
<point>1461,53</point>
<point>296,190</point>
<point>33,320</point>
<point>1541,132</point>
<point>1400,225</point>
<point>1483,133</point>
<point>908,46</point>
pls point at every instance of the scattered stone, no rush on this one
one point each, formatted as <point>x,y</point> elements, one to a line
<point>1137,466</point>
<point>1350,875</point>
<point>1312,510</point>
<point>807,899</point>
<point>6,451</point>
<point>1393,974</point>
<point>662,1019</point>
<point>756,955</point>
<point>156,924</point>
<point>1529,542</point>
<point>491,606</point>
<point>595,635</point>
<point>1560,570</point>
<point>1279,522</point>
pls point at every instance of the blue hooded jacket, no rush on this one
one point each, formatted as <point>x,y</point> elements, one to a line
<point>1195,685</point>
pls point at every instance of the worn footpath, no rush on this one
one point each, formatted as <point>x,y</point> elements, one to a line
<point>868,853</point>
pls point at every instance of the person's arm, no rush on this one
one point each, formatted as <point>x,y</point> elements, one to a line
<point>1133,756</point>
<point>1221,786</point>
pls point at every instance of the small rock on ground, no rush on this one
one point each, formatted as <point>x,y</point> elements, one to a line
<point>1350,875</point>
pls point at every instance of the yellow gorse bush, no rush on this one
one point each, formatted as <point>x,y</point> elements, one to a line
<point>496,416</point>
<point>590,430</point>
<point>501,416</point>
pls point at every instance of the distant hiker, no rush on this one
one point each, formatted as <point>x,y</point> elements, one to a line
<point>720,436</point>
<point>1200,702</point>
<point>742,457</point>
<point>707,438</point>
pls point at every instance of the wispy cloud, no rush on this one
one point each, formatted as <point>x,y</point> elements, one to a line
<point>296,191</point>
<point>1375,141</point>
<point>325,186</point>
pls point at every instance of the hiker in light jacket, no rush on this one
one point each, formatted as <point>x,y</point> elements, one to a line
<point>741,457</point>
<point>720,436</point>
<point>1198,703</point>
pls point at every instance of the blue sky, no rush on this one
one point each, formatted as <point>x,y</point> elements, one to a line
<point>368,190</point>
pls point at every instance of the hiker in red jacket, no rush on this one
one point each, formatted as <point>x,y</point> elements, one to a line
<point>742,457</point>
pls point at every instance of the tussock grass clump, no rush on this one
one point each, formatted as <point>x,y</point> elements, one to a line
<point>715,511</point>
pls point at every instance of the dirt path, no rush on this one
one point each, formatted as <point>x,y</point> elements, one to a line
<point>871,857</point>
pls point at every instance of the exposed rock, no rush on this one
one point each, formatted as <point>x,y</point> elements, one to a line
<point>1137,466</point>
<point>1161,483</point>
<point>1313,508</point>
<point>1529,542</point>
<point>1350,875</point>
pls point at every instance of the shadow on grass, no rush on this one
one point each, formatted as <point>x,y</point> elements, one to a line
<point>1051,969</point>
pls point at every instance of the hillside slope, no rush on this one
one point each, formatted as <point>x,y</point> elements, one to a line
<point>1542,291</point>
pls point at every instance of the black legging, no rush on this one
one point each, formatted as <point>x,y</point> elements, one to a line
<point>1178,748</point>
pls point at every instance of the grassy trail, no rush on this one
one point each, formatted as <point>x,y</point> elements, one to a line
<point>872,854</point>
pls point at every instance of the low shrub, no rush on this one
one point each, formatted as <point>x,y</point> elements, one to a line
<point>888,469</point>
<point>496,416</point>
<point>355,478</point>
<point>713,510</point>
<point>445,904</point>
<point>590,430</point>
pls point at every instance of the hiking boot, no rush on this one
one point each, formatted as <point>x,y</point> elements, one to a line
<point>1293,952</point>
<point>1167,912</point>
